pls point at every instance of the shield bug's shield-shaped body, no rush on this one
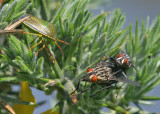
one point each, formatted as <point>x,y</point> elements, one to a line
<point>43,28</point>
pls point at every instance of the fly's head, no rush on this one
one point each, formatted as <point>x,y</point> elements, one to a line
<point>123,60</point>
<point>90,76</point>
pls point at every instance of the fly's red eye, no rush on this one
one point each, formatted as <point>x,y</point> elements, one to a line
<point>94,78</point>
<point>120,55</point>
<point>125,60</point>
<point>89,70</point>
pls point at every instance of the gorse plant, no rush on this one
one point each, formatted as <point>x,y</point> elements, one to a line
<point>90,38</point>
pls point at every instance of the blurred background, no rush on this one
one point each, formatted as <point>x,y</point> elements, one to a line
<point>133,9</point>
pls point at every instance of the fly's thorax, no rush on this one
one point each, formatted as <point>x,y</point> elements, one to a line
<point>102,69</point>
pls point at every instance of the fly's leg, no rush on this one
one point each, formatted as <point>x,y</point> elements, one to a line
<point>124,75</point>
<point>87,89</point>
<point>101,90</point>
<point>106,57</point>
<point>76,87</point>
<point>85,84</point>
<point>134,67</point>
<point>83,79</point>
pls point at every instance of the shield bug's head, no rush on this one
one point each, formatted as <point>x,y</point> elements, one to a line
<point>123,60</point>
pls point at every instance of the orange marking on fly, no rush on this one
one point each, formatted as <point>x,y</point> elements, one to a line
<point>125,61</point>
<point>120,55</point>
<point>94,78</point>
<point>89,70</point>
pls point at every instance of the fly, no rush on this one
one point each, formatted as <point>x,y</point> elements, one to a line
<point>107,72</point>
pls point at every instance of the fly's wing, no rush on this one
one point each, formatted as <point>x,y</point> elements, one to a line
<point>122,78</point>
<point>104,62</point>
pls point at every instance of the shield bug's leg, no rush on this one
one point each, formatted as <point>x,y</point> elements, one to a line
<point>41,48</point>
<point>34,40</point>
<point>35,45</point>
<point>87,88</point>
<point>58,47</point>
<point>39,35</point>
<point>101,90</point>
<point>48,41</point>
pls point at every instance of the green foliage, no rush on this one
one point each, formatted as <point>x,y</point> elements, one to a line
<point>12,10</point>
<point>90,38</point>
